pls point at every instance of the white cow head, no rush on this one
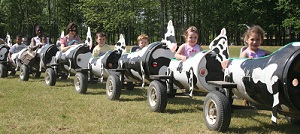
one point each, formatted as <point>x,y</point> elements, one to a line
<point>220,46</point>
<point>88,40</point>
<point>58,40</point>
<point>8,40</point>
<point>120,46</point>
<point>62,34</point>
<point>170,39</point>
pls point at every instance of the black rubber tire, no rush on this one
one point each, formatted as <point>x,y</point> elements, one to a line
<point>157,96</point>
<point>113,87</point>
<point>3,71</point>
<point>24,73</point>
<point>217,111</point>
<point>50,77</point>
<point>129,86</point>
<point>80,83</point>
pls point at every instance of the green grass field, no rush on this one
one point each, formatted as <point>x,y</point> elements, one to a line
<point>33,107</point>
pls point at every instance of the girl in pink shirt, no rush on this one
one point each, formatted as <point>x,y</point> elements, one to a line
<point>71,38</point>
<point>254,37</point>
<point>190,47</point>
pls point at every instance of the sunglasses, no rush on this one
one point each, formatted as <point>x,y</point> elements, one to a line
<point>72,30</point>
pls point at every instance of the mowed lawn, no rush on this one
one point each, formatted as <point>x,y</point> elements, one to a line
<point>33,107</point>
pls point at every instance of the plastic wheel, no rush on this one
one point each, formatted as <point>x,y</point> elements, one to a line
<point>3,71</point>
<point>157,96</point>
<point>113,87</point>
<point>24,73</point>
<point>80,83</point>
<point>217,111</point>
<point>50,77</point>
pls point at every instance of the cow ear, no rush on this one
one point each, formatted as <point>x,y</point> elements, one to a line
<point>62,34</point>
<point>223,31</point>
<point>170,23</point>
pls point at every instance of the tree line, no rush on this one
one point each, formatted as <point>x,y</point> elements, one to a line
<point>279,18</point>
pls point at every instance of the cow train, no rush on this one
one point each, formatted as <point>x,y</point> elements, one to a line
<point>266,83</point>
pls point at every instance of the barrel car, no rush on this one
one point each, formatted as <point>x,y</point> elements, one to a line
<point>35,61</point>
<point>191,76</point>
<point>136,67</point>
<point>68,63</point>
<point>267,83</point>
<point>7,66</point>
<point>98,67</point>
<point>65,64</point>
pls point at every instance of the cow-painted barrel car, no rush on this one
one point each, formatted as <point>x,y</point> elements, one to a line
<point>98,67</point>
<point>70,62</point>
<point>135,68</point>
<point>190,76</point>
<point>268,83</point>
<point>36,61</point>
<point>74,60</point>
<point>6,65</point>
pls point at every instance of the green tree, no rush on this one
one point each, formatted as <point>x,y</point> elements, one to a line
<point>291,13</point>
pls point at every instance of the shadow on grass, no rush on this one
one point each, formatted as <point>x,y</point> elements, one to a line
<point>263,127</point>
<point>12,77</point>
<point>95,93</point>
<point>136,94</point>
<point>97,85</point>
<point>135,91</point>
<point>248,113</point>
<point>134,99</point>
<point>64,82</point>
<point>193,105</point>
<point>96,89</point>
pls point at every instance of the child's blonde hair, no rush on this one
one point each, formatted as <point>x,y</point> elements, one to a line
<point>143,36</point>
<point>254,29</point>
<point>190,29</point>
